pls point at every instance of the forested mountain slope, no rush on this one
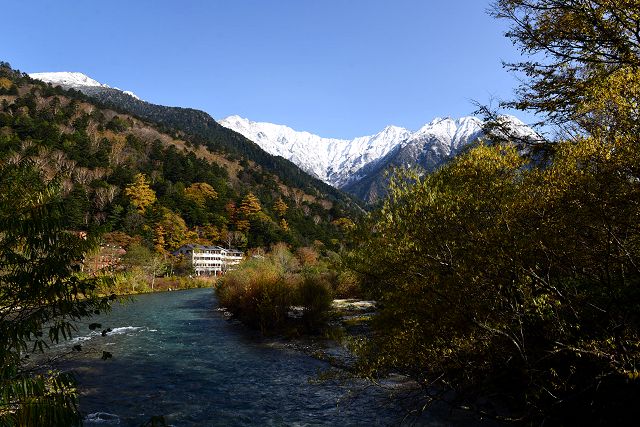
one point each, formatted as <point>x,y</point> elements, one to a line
<point>200,126</point>
<point>184,179</point>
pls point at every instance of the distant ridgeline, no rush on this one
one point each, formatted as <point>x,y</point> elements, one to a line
<point>162,175</point>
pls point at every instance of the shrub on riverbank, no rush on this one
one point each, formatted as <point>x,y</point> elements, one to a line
<point>279,291</point>
<point>314,294</point>
<point>134,282</point>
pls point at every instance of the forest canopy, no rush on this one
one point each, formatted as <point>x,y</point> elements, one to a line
<point>511,280</point>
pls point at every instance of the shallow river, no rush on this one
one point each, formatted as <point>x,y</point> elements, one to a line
<point>174,355</point>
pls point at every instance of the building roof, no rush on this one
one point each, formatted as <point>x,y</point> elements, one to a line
<point>192,246</point>
<point>197,246</point>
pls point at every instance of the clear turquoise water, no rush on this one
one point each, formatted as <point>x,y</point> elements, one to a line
<point>174,355</point>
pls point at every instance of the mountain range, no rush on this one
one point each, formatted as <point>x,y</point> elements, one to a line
<point>357,166</point>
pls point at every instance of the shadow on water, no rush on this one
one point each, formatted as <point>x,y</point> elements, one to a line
<point>174,355</point>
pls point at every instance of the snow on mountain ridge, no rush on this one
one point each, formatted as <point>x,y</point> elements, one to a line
<point>330,159</point>
<point>337,161</point>
<point>66,78</point>
<point>75,80</point>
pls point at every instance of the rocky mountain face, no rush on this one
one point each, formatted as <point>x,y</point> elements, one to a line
<point>428,148</point>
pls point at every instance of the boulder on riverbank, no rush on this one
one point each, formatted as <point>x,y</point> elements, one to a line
<point>353,305</point>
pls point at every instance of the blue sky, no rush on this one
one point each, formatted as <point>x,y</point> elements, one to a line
<point>337,68</point>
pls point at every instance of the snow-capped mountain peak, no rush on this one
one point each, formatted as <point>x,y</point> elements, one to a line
<point>438,127</point>
<point>74,80</point>
<point>340,162</point>
<point>392,132</point>
<point>346,163</point>
<point>65,78</point>
<point>333,160</point>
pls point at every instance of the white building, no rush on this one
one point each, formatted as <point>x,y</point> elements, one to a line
<point>210,260</point>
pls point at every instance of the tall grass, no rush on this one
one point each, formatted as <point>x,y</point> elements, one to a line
<point>264,291</point>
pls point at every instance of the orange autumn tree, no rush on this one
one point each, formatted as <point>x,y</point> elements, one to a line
<point>280,207</point>
<point>249,208</point>
<point>140,193</point>
<point>250,205</point>
<point>200,192</point>
<point>171,232</point>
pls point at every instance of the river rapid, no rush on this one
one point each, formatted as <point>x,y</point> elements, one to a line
<point>175,355</point>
